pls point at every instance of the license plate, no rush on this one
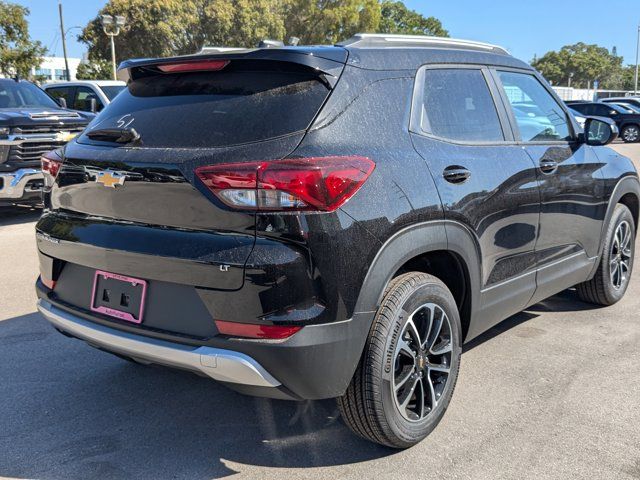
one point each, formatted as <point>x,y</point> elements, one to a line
<point>118,296</point>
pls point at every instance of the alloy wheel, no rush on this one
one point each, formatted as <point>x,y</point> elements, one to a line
<point>631,134</point>
<point>620,255</point>
<point>422,362</point>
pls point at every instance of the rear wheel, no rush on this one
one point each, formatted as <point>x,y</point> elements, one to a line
<point>408,371</point>
<point>630,133</point>
<point>610,281</point>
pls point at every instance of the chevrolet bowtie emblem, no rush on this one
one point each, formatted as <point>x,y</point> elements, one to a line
<point>65,136</point>
<point>110,179</point>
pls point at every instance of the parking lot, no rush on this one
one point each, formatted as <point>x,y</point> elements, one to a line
<point>551,393</point>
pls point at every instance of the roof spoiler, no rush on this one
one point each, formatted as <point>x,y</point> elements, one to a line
<point>322,60</point>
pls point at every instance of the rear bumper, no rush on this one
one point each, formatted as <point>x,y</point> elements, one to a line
<point>222,365</point>
<point>19,185</point>
<point>316,363</point>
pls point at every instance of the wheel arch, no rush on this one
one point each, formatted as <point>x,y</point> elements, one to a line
<point>431,247</point>
<point>626,192</point>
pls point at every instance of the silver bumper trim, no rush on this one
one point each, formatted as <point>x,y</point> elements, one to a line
<point>14,185</point>
<point>219,364</point>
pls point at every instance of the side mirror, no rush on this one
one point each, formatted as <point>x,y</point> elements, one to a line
<point>599,131</point>
<point>93,105</point>
<point>62,102</point>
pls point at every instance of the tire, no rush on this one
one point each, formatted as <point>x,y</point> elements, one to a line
<point>611,279</point>
<point>371,406</point>
<point>630,133</point>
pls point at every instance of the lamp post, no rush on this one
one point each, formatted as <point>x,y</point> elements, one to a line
<point>64,43</point>
<point>635,88</point>
<point>111,26</point>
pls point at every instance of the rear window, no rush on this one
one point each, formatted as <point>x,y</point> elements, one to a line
<point>214,109</point>
<point>111,91</point>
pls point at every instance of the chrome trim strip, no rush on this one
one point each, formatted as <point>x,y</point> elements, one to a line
<point>20,138</point>
<point>13,187</point>
<point>219,364</point>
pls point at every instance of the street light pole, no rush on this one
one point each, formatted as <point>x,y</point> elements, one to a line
<point>64,43</point>
<point>113,56</point>
<point>635,88</point>
<point>111,26</point>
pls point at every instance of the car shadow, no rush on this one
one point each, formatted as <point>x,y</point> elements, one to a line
<point>70,411</point>
<point>566,301</point>
<point>14,215</point>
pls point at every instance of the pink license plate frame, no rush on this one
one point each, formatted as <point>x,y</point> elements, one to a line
<point>112,312</point>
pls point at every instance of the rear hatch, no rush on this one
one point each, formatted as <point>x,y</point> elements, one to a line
<point>138,195</point>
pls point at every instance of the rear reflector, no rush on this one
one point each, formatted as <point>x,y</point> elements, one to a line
<point>301,184</point>
<point>249,330</point>
<point>50,284</point>
<point>198,66</point>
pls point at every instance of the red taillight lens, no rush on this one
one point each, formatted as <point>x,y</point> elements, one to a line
<point>307,184</point>
<point>197,66</point>
<point>249,330</point>
<point>51,164</point>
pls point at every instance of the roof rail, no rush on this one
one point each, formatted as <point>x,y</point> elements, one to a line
<point>381,40</point>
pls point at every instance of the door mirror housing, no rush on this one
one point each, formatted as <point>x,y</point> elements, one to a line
<point>62,102</point>
<point>599,131</point>
<point>93,105</point>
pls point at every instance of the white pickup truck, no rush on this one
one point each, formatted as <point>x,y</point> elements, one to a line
<point>85,95</point>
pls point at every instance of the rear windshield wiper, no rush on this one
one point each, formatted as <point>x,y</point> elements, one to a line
<point>117,135</point>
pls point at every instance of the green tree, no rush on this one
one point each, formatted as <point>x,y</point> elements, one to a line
<point>157,28</point>
<point>94,70</point>
<point>329,21</point>
<point>18,53</point>
<point>397,18</point>
<point>584,63</point>
<point>629,77</point>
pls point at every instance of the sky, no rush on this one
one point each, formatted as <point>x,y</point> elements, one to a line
<point>524,27</point>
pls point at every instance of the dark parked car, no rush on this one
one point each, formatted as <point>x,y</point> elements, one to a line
<point>627,100</point>
<point>340,220</point>
<point>627,121</point>
<point>31,123</point>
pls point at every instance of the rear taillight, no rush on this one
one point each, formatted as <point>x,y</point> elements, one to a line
<point>250,330</point>
<point>51,164</point>
<point>301,184</point>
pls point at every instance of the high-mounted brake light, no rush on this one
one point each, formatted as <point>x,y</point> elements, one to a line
<point>197,66</point>
<point>250,330</point>
<point>50,163</point>
<point>301,184</point>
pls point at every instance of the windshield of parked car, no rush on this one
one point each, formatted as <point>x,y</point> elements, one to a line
<point>23,95</point>
<point>112,90</point>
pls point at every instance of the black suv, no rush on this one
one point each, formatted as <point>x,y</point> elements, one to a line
<point>628,122</point>
<point>31,123</point>
<point>317,222</point>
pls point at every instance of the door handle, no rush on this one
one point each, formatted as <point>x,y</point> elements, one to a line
<point>456,174</point>
<point>548,166</point>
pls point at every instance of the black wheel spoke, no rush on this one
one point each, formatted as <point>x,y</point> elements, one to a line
<point>403,378</point>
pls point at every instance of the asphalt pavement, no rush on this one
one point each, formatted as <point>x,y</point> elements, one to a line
<point>550,393</point>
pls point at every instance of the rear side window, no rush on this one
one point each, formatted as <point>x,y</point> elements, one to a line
<point>83,97</point>
<point>458,105</point>
<point>214,109</point>
<point>538,116</point>
<point>62,92</point>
